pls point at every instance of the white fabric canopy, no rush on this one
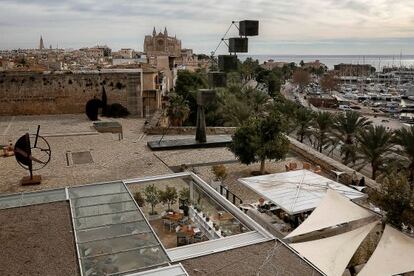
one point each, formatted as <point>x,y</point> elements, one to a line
<point>394,255</point>
<point>296,191</point>
<point>332,255</point>
<point>334,209</point>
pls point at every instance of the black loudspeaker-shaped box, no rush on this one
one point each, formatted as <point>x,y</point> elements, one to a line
<point>205,96</point>
<point>227,63</point>
<point>217,79</point>
<point>238,44</point>
<point>249,28</point>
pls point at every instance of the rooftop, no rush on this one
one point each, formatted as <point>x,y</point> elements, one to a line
<point>297,191</point>
<point>38,240</point>
<point>112,234</point>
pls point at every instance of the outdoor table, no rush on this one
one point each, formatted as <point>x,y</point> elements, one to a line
<point>174,216</point>
<point>225,216</point>
<point>186,229</point>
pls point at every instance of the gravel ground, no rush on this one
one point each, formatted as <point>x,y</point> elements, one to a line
<point>237,170</point>
<point>37,240</point>
<point>251,260</point>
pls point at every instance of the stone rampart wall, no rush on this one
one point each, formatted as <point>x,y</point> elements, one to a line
<point>32,93</point>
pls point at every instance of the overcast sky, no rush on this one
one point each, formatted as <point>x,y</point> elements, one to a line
<point>286,26</point>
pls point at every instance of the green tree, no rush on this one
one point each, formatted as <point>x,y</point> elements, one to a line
<point>321,129</point>
<point>404,137</point>
<point>178,109</point>
<point>152,196</point>
<point>259,139</point>
<point>139,199</point>
<point>303,120</point>
<point>374,145</point>
<point>239,104</point>
<point>184,196</point>
<point>248,68</point>
<point>287,70</point>
<point>396,198</point>
<point>186,86</point>
<point>271,79</point>
<point>169,196</point>
<point>345,127</point>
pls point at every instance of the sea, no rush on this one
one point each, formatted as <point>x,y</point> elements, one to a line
<point>377,61</point>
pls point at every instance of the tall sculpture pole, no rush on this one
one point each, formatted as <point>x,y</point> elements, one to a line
<point>204,96</point>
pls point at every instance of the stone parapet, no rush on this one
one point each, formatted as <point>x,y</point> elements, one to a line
<point>188,130</point>
<point>328,164</point>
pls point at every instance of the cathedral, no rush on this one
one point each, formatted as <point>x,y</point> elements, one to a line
<point>162,45</point>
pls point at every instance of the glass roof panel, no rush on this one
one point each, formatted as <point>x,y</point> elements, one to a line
<point>105,208</point>
<point>93,200</point>
<point>112,231</point>
<point>95,221</point>
<point>97,189</point>
<point>118,244</point>
<point>30,198</point>
<point>112,235</point>
<point>124,261</point>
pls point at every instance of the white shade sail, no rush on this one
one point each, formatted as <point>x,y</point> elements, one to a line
<point>296,191</point>
<point>332,255</point>
<point>334,209</point>
<point>394,255</point>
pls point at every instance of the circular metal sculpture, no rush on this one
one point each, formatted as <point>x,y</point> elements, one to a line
<point>33,153</point>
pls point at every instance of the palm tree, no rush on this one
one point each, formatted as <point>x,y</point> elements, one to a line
<point>374,144</point>
<point>345,127</point>
<point>404,137</point>
<point>177,110</point>
<point>303,119</point>
<point>322,125</point>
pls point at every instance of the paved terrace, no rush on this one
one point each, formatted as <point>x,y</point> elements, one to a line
<point>111,159</point>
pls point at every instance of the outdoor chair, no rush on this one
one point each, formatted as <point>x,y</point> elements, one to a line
<point>182,239</point>
<point>198,237</point>
<point>184,221</point>
<point>170,224</point>
<point>293,166</point>
<point>306,166</point>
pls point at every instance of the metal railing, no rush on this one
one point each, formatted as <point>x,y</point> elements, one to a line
<point>230,196</point>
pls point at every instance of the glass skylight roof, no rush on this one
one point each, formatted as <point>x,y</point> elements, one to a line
<point>112,235</point>
<point>29,198</point>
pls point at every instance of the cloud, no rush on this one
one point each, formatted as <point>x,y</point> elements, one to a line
<point>200,23</point>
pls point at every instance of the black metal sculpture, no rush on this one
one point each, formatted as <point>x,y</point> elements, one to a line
<point>92,109</point>
<point>32,152</point>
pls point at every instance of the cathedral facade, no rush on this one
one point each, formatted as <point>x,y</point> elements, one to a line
<point>162,45</point>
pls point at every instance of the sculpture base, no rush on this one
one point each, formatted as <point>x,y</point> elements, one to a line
<point>35,180</point>
<point>190,143</point>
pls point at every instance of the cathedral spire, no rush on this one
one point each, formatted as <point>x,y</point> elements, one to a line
<point>41,45</point>
<point>165,31</point>
<point>154,32</point>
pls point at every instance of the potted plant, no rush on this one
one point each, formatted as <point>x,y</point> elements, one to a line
<point>168,196</point>
<point>139,199</point>
<point>152,196</point>
<point>184,199</point>
<point>220,174</point>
